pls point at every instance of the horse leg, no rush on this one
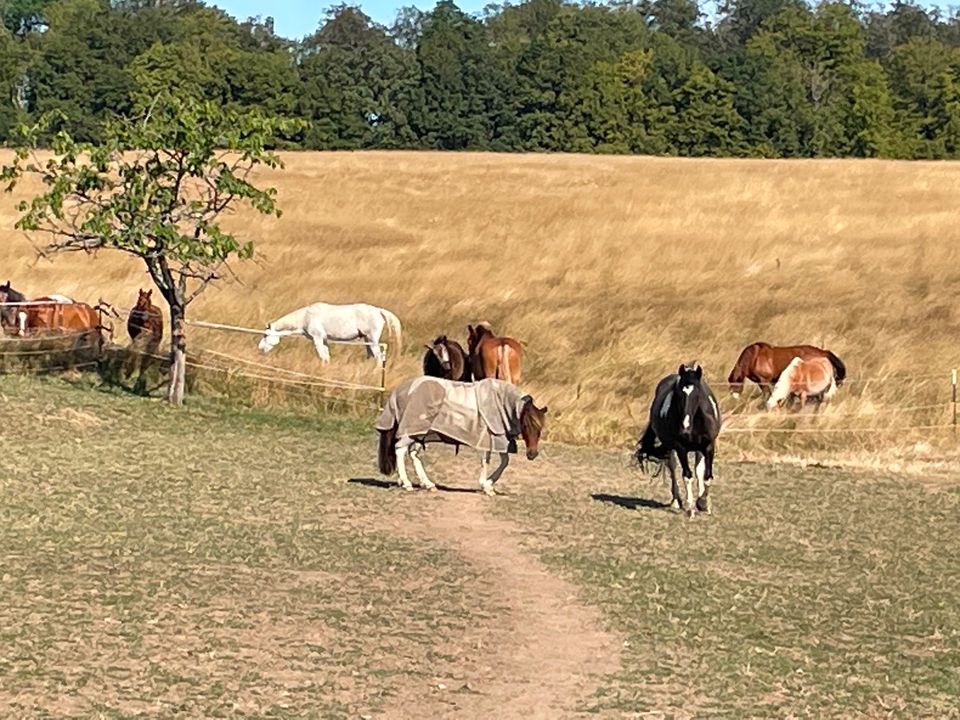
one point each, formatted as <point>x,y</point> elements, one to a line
<point>418,467</point>
<point>687,481</point>
<point>485,485</point>
<point>402,446</point>
<point>705,468</point>
<point>498,471</point>
<point>676,503</point>
<point>320,343</point>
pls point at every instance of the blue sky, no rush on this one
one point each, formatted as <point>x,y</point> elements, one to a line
<point>296,18</point>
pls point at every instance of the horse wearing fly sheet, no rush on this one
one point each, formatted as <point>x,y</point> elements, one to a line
<point>487,415</point>
<point>684,418</point>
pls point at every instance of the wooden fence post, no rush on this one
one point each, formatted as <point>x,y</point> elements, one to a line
<point>383,373</point>
<point>953,382</point>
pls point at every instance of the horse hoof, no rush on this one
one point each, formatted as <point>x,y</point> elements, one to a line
<point>407,488</point>
<point>691,512</point>
<point>675,505</point>
<point>489,491</point>
<point>431,488</point>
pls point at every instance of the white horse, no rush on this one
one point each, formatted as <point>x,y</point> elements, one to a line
<point>322,322</point>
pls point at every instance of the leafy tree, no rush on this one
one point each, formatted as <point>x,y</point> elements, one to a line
<point>21,17</point>
<point>357,85</point>
<point>462,100</point>
<point>155,188</point>
<point>925,78</point>
<point>707,121</point>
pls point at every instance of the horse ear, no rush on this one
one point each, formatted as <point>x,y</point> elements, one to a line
<point>681,370</point>
<point>544,411</point>
<point>428,347</point>
<point>699,371</point>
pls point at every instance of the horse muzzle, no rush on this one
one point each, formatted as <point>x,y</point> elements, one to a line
<point>532,454</point>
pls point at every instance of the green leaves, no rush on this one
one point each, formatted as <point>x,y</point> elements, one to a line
<point>155,187</point>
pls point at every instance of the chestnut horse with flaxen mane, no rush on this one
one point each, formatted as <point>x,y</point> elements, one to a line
<point>494,357</point>
<point>763,364</point>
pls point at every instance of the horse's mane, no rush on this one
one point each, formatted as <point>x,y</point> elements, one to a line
<point>531,419</point>
<point>740,368</point>
<point>291,321</point>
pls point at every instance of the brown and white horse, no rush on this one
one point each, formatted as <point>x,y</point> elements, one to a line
<point>763,363</point>
<point>495,357</point>
<point>804,378</point>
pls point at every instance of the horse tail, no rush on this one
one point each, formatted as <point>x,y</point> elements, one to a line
<point>387,456</point>
<point>503,364</point>
<point>839,369</point>
<point>393,325</point>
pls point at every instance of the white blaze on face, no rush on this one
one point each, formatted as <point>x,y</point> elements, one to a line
<point>443,354</point>
<point>686,418</point>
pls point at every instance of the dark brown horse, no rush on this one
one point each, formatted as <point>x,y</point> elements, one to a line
<point>445,358</point>
<point>145,320</point>
<point>9,312</point>
<point>492,356</point>
<point>763,363</point>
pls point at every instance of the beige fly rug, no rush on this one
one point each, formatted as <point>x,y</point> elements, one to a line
<point>484,415</point>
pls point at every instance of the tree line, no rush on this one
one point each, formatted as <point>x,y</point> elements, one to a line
<point>762,78</point>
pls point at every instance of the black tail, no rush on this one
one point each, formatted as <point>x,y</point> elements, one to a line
<point>647,448</point>
<point>839,369</point>
<point>387,456</point>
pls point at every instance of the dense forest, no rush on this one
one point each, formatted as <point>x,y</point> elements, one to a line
<point>766,78</point>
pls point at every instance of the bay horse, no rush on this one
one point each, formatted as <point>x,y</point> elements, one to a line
<point>145,320</point>
<point>684,418</point>
<point>445,358</point>
<point>487,415</point>
<point>9,314</point>
<point>804,378</point>
<point>762,363</point>
<point>322,322</point>
<point>493,357</point>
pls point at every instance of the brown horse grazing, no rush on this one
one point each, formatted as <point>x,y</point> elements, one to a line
<point>493,357</point>
<point>145,320</point>
<point>50,315</point>
<point>804,378</point>
<point>446,359</point>
<point>763,363</point>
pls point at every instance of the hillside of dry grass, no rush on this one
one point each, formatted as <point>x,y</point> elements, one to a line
<point>611,270</point>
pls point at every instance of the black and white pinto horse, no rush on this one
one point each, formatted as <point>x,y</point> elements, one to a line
<point>684,418</point>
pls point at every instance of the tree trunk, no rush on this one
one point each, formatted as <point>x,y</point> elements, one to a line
<point>178,355</point>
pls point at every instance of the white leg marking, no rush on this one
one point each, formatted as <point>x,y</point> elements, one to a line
<point>22,317</point>
<point>402,468</point>
<point>320,343</point>
<point>421,472</point>
<point>485,484</point>
<point>686,422</point>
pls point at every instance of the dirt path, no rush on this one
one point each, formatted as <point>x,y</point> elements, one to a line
<point>540,658</point>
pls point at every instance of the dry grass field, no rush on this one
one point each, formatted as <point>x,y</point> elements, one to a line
<point>611,271</point>
<point>220,562</point>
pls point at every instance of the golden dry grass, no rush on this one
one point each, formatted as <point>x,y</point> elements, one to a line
<point>612,270</point>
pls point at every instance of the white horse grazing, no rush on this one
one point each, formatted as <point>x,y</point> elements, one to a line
<point>322,322</point>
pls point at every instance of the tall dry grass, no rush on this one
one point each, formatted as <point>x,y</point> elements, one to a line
<point>611,270</point>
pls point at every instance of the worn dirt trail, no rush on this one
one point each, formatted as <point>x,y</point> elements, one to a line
<point>540,658</point>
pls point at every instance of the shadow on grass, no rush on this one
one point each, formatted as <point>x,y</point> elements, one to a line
<point>392,485</point>
<point>630,503</point>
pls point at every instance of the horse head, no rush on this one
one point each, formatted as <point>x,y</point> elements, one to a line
<point>532,422</point>
<point>783,388</point>
<point>441,351</point>
<point>143,299</point>
<point>476,333</point>
<point>690,388</point>
<point>270,339</point>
